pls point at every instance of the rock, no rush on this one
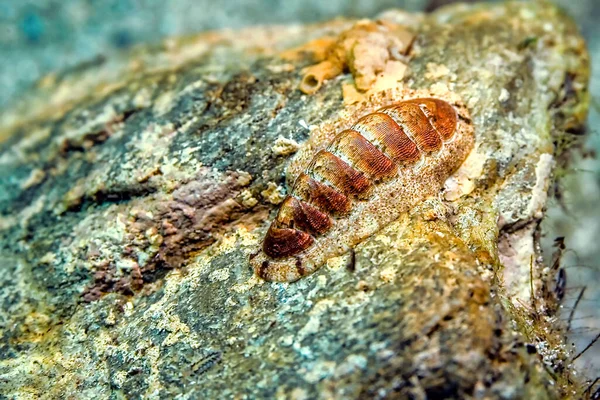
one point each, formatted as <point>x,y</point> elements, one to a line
<point>133,192</point>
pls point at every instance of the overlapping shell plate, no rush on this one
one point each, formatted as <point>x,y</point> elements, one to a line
<point>384,164</point>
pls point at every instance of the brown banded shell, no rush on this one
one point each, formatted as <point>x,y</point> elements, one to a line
<point>373,161</point>
<point>281,242</point>
<point>416,125</point>
<point>321,195</point>
<point>334,170</point>
<point>441,115</point>
<point>298,214</point>
<point>363,155</point>
<point>387,135</point>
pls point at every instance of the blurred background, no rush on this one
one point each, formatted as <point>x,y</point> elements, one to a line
<point>39,36</point>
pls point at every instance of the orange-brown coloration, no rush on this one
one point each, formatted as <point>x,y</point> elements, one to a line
<point>364,50</point>
<point>363,155</point>
<point>383,131</point>
<point>332,169</point>
<point>441,115</point>
<point>318,220</point>
<point>315,75</point>
<point>295,213</point>
<point>415,124</point>
<point>282,242</point>
<point>321,195</point>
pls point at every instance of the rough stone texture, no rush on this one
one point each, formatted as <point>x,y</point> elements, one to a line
<point>133,191</point>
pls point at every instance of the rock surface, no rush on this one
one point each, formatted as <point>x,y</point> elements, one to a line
<point>133,192</point>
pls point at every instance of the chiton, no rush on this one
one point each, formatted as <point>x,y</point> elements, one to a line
<point>383,165</point>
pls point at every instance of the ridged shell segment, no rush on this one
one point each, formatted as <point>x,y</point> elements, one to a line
<point>374,150</point>
<point>388,136</point>
<point>416,125</point>
<point>320,195</point>
<point>363,155</point>
<point>333,170</point>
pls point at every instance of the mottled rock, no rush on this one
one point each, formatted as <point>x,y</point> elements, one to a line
<point>133,192</point>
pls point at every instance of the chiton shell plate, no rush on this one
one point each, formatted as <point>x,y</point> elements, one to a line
<point>389,160</point>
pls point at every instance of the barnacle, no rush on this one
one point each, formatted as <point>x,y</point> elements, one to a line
<point>315,75</point>
<point>364,49</point>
